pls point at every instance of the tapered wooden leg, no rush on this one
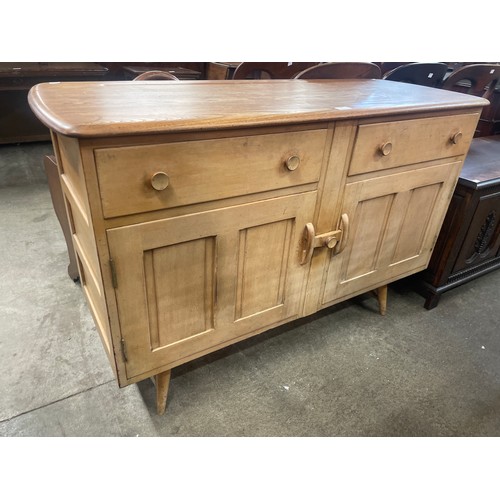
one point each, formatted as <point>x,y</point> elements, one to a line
<point>382,299</point>
<point>162,382</point>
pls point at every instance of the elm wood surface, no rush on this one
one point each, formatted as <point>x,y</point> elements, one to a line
<point>203,261</point>
<point>341,70</point>
<point>469,242</point>
<point>17,122</point>
<point>111,109</point>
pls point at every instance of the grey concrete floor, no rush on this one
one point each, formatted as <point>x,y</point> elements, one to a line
<point>346,371</point>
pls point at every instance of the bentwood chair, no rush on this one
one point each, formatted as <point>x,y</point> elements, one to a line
<point>475,79</point>
<point>155,75</point>
<point>426,74</point>
<point>336,70</point>
<point>482,80</point>
<point>269,70</point>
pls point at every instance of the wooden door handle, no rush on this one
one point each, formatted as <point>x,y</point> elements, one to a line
<point>344,231</point>
<point>311,240</point>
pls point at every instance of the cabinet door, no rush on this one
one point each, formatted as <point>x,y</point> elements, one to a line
<point>394,221</point>
<point>189,283</point>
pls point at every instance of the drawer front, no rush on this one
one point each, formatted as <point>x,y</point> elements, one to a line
<point>380,146</point>
<point>136,179</point>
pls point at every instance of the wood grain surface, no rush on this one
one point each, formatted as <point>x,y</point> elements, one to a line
<point>97,109</point>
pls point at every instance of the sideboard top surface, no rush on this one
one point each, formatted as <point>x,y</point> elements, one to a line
<point>98,109</point>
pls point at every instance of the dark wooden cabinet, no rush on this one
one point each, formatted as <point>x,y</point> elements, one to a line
<point>468,245</point>
<point>17,121</point>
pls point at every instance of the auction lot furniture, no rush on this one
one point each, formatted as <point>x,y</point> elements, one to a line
<point>469,242</point>
<point>206,212</point>
<point>17,123</point>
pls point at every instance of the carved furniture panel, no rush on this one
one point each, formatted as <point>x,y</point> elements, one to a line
<point>469,242</point>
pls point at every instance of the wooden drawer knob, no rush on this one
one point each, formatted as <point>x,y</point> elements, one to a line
<point>456,138</point>
<point>292,162</point>
<point>159,181</point>
<point>385,149</point>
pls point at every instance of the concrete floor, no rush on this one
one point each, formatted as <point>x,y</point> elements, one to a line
<point>346,371</point>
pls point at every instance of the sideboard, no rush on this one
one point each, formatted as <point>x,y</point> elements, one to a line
<point>205,212</point>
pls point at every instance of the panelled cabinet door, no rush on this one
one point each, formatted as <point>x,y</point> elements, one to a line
<point>186,284</point>
<point>393,223</point>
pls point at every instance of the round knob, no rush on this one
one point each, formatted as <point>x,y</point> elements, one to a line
<point>385,149</point>
<point>456,138</point>
<point>331,242</point>
<point>159,181</point>
<point>292,162</point>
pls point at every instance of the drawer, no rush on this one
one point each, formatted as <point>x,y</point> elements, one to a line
<point>392,144</point>
<point>136,179</point>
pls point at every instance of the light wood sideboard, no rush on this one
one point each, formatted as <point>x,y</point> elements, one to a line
<point>203,213</point>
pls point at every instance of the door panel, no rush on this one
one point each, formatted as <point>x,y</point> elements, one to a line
<point>180,303</point>
<point>207,278</point>
<point>394,221</point>
<point>257,265</point>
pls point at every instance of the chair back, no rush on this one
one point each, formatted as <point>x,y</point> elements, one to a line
<point>426,74</point>
<point>155,75</point>
<point>475,79</point>
<point>341,70</point>
<point>269,70</point>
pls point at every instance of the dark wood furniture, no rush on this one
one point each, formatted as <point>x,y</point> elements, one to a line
<point>269,70</point>
<point>17,121</point>
<point>482,80</point>
<point>338,70</point>
<point>468,245</point>
<point>428,74</point>
<point>220,70</point>
<point>181,73</point>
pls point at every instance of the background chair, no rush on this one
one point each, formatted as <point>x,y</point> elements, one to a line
<point>341,70</point>
<point>475,79</point>
<point>426,74</point>
<point>269,70</point>
<point>155,75</point>
<point>481,80</point>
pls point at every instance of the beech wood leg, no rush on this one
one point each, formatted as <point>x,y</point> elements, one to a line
<point>56,194</point>
<point>162,382</point>
<point>382,299</point>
